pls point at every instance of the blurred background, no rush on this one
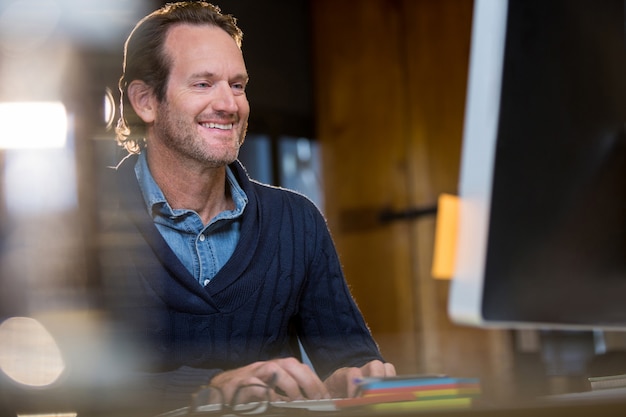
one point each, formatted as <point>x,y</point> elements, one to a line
<point>60,61</point>
<point>357,104</point>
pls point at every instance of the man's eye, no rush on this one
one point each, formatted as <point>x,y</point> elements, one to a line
<point>203,85</point>
<point>239,87</point>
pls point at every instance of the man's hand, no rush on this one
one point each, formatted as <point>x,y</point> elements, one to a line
<point>287,378</point>
<point>342,382</point>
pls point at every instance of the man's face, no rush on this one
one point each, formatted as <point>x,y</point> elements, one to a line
<point>204,115</point>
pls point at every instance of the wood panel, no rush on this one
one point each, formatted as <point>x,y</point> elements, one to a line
<point>361,121</point>
<point>437,45</point>
<point>390,93</point>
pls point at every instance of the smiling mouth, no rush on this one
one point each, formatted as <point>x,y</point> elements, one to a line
<point>221,126</point>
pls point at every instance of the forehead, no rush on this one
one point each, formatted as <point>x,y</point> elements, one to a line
<point>186,44</point>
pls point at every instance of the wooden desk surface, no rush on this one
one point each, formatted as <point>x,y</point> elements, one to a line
<point>605,403</point>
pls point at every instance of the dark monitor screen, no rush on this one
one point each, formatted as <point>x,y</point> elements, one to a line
<point>542,226</point>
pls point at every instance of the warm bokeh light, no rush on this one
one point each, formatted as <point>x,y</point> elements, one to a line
<point>445,237</point>
<point>29,354</point>
<point>33,125</point>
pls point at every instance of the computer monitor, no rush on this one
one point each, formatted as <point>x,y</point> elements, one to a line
<point>542,223</point>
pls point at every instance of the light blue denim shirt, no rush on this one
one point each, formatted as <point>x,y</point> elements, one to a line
<point>202,249</point>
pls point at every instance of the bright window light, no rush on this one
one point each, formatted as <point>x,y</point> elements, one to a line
<point>33,125</point>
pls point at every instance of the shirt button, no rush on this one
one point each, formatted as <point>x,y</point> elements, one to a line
<point>202,237</point>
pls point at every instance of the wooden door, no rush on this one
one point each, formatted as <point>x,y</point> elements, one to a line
<point>390,79</point>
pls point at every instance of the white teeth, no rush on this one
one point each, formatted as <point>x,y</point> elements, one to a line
<point>218,126</point>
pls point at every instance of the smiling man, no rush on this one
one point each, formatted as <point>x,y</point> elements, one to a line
<point>218,277</point>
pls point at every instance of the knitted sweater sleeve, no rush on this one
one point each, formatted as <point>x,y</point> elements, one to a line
<point>332,329</point>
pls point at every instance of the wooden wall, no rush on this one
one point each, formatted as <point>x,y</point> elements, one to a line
<point>390,78</point>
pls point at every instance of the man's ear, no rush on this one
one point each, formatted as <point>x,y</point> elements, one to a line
<point>142,99</point>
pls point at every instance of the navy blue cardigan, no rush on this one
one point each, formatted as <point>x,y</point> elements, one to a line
<point>284,281</point>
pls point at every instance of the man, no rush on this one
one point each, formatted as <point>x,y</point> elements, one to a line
<point>219,277</point>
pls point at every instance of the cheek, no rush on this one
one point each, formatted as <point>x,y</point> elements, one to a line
<point>244,107</point>
<point>187,104</point>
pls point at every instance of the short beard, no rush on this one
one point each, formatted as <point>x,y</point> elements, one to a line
<point>176,135</point>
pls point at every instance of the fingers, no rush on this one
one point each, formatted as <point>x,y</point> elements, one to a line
<point>288,377</point>
<point>344,381</point>
<point>378,369</point>
<point>390,369</point>
<point>229,382</point>
<point>296,380</point>
<point>352,375</point>
<point>341,383</point>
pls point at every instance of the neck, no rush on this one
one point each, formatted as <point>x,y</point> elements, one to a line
<point>191,186</point>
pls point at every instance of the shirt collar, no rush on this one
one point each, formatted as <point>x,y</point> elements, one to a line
<point>155,199</point>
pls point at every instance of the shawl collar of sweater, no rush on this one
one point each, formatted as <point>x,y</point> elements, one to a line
<point>168,278</point>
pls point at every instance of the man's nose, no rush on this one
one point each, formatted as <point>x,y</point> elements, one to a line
<point>224,99</point>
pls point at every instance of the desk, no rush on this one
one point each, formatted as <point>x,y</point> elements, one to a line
<point>602,404</point>
<point>557,409</point>
<point>605,403</point>
<point>615,408</point>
